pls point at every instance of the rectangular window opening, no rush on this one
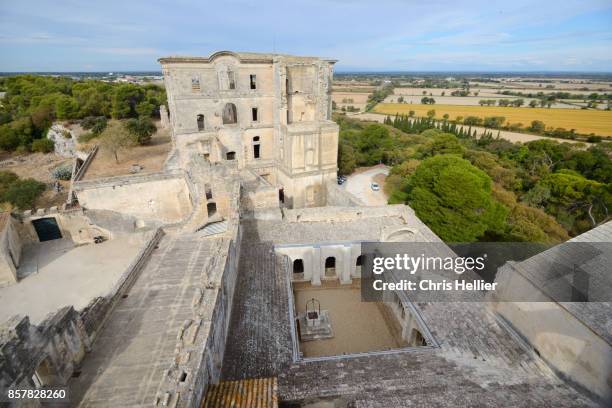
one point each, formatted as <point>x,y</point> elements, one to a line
<point>253,81</point>
<point>255,115</point>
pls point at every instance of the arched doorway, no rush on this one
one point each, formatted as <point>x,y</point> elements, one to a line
<point>330,267</point>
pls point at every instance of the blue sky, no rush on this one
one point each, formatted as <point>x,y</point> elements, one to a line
<point>109,35</point>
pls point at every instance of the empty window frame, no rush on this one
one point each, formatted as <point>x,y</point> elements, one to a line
<point>255,114</point>
<point>256,147</point>
<point>253,81</point>
<point>200,120</point>
<point>230,155</point>
<point>229,114</point>
<point>211,208</point>
<point>231,79</point>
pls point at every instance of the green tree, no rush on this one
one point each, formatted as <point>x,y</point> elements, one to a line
<point>23,193</point>
<point>143,128</point>
<point>145,109</point>
<point>454,214</point>
<point>116,138</point>
<point>125,99</point>
<point>441,143</point>
<point>537,126</point>
<point>43,145</point>
<point>66,107</point>
<point>347,162</point>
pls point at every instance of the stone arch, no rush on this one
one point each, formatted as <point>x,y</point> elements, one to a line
<point>358,264</point>
<point>256,147</point>
<point>44,374</point>
<point>401,235</point>
<point>230,115</point>
<point>298,266</point>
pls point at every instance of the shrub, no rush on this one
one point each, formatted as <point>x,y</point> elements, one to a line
<point>62,173</point>
<point>96,124</point>
<point>86,137</point>
<point>6,179</point>
<point>142,128</point>
<point>23,193</point>
<point>43,145</point>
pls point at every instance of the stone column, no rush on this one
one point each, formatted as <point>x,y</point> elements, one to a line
<point>347,264</point>
<point>317,265</point>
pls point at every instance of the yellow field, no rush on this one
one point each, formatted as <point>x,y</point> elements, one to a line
<point>584,121</point>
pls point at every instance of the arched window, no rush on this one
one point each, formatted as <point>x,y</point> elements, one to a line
<point>330,267</point>
<point>298,266</point>
<point>256,147</point>
<point>229,114</point>
<point>359,261</point>
<point>200,123</point>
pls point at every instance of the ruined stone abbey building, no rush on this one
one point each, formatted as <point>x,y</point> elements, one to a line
<point>269,113</point>
<point>231,278</point>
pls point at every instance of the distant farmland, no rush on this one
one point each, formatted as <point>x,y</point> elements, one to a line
<point>583,121</point>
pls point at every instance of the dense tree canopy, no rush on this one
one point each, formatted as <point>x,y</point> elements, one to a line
<point>454,199</point>
<point>551,190</point>
<point>32,103</point>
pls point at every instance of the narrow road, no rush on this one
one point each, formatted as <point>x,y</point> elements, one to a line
<point>359,184</point>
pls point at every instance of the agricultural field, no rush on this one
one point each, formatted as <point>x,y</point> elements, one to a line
<point>355,99</point>
<point>470,100</point>
<point>583,121</point>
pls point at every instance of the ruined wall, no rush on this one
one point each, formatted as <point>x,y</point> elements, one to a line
<point>293,128</point>
<point>160,198</point>
<point>73,224</point>
<point>346,213</point>
<point>58,343</point>
<point>201,342</point>
<point>63,140</point>
<point>10,251</point>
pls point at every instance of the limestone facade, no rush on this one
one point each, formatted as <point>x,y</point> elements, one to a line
<point>269,113</point>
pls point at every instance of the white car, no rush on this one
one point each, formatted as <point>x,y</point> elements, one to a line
<point>375,186</point>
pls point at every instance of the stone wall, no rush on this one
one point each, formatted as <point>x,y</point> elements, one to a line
<point>202,339</point>
<point>571,348</point>
<point>73,224</point>
<point>52,350</point>
<point>63,140</point>
<point>160,197</point>
<point>10,250</point>
<point>347,213</point>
